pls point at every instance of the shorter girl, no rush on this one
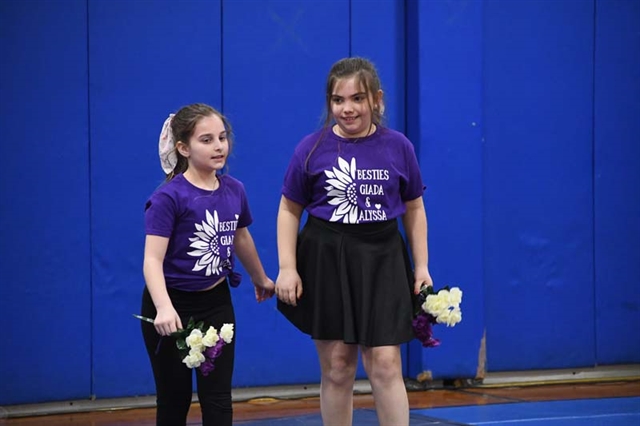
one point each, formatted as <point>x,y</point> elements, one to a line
<point>195,223</point>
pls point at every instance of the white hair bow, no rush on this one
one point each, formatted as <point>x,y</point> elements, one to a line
<point>166,147</point>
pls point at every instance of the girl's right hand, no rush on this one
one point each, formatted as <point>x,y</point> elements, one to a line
<point>167,321</point>
<point>264,289</point>
<point>288,286</point>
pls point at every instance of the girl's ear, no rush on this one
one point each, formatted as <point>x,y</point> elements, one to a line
<point>183,149</point>
<point>379,96</point>
<point>379,103</point>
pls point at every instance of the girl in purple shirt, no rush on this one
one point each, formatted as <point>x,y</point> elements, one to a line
<point>195,225</point>
<point>346,279</point>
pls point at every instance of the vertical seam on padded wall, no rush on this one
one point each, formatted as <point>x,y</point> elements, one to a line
<point>89,182</point>
<point>222,57</point>
<point>593,183</point>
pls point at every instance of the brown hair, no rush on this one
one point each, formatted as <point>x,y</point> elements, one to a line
<point>183,125</point>
<point>366,76</point>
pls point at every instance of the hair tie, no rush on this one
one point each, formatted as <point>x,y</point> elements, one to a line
<point>167,147</point>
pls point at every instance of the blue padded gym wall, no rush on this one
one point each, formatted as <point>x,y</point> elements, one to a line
<point>538,192</point>
<point>147,59</point>
<point>617,181</point>
<point>45,262</point>
<point>525,116</point>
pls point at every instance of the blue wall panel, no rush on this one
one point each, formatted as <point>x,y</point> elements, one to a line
<point>538,202</point>
<point>44,215</point>
<point>444,69</point>
<point>617,181</point>
<point>147,59</point>
<point>449,95</point>
<point>276,57</point>
<point>413,352</point>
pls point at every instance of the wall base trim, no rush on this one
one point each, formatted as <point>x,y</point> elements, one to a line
<point>575,375</point>
<point>492,379</point>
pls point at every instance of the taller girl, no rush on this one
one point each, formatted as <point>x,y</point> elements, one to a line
<point>346,279</point>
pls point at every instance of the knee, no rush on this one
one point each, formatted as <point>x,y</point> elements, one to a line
<point>340,371</point>
<point>384,368</point>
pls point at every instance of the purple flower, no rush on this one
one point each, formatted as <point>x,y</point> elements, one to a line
<point>214,351</point>
<point>211,354</point>
<point>207,367</point>
<point>431,343</point>
<point>423,331</point>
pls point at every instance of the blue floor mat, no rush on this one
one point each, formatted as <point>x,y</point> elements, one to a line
<point>360,418</point>
<point>580,412</point>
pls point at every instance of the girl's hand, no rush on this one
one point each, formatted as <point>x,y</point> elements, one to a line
<point>289,286</point>
<point>264,289</point>
<point>422,279</point>
<point>167,321</point>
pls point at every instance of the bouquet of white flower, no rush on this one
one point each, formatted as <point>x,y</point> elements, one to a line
<point>200,348</point>
<point>436,307</point>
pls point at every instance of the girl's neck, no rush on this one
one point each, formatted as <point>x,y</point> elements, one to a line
<point>203,180</point>
<point>338,131</point>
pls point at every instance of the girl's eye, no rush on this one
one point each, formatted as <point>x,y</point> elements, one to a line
<point>222,138</point>
<point>337,100</point>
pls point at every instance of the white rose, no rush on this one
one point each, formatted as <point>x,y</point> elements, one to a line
<point>194,340</point>
<point>446,297</point>
<point>226,333</point>
<point>455,296</point>
<point>435,304</point>
<point>449,317</point>
<point>211,337</point>
<point>455,317</point>
<point>194,359</point>
<point>444,317</point>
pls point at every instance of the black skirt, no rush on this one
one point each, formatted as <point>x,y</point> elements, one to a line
<point>357,283</point>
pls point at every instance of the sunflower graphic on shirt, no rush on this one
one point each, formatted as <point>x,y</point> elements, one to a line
<point>206,245</point>
<point>341,191</point>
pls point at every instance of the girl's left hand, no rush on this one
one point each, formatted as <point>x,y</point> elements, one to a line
<point>264,289</point>
<point>422,279</point>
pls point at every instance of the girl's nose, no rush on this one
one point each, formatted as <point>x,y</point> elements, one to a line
<point>348,106</point>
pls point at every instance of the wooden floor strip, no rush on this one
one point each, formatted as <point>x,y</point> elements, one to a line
<point>266,408</point>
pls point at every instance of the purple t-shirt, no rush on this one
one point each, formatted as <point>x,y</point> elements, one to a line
<point>354,180</point>
<point>201,226</point>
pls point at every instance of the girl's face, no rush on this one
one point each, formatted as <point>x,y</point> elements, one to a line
<point>351,108</point>
<point>208,147</point>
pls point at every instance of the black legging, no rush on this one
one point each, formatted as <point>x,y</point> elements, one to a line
<point>174,386</point>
